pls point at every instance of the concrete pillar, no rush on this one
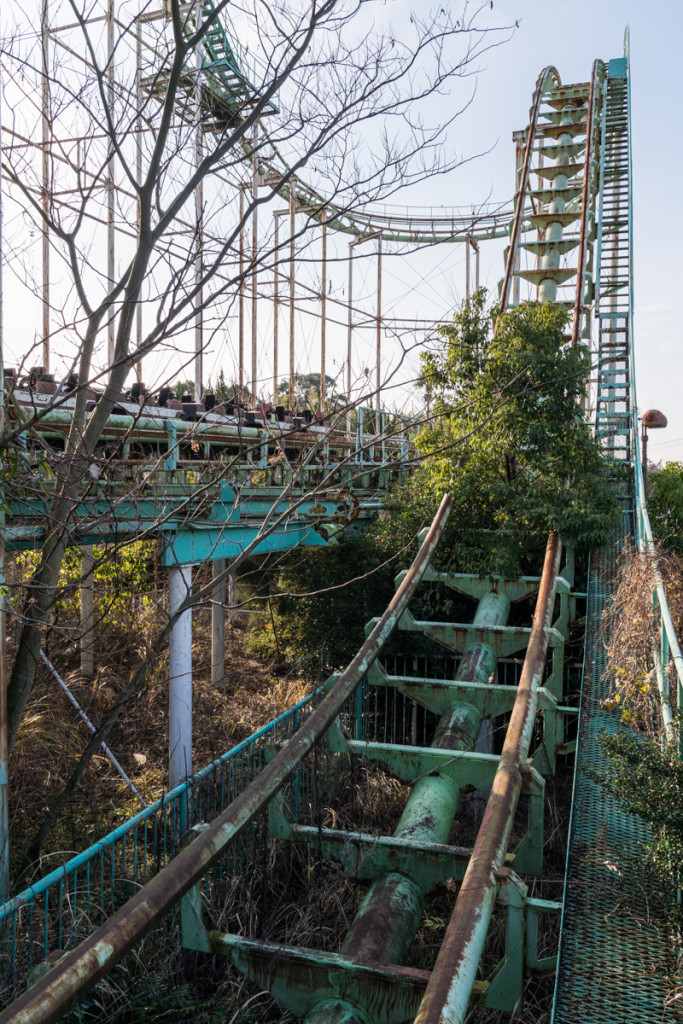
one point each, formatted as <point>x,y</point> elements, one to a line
<point>218,624</point>
<point>180,678</point>
<point>87,613</point>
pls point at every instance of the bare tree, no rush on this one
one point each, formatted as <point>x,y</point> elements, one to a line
<point>142,117</point>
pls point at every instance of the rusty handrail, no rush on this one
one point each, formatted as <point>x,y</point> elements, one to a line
<point>447,994</point>
<point>585,194</point>
<point>521,191</point>
<point>51,997</point>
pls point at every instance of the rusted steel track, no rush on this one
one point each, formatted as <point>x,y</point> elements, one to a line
<point>541,87</point>
<point>585,202</point>
<point>55,994</point>
<point>448,991</point>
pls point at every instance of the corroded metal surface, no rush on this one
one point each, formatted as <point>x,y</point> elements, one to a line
<point>51,997</point>
<point>452,979</point>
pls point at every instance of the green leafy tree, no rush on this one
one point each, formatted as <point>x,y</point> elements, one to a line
<point>509,440</point>
<point>307,392</point>
<point>665,505</point>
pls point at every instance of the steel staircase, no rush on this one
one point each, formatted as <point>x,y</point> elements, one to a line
<point>613,419</point>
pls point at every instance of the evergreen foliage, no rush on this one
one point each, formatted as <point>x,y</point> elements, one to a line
<point>507,439</point>
<point>665,505</point>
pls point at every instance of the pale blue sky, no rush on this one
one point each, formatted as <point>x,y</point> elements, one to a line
<point>571,36</point>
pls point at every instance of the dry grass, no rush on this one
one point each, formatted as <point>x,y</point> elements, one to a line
<point>630,630</point>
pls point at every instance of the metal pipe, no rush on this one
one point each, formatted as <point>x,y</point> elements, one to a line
<point>55,993</point>
<point>467,268</point>
<point>276,305</point>
<point>179,677</point>
<point>111,185</point>
<point>292,225</point>
<point>447,994</point>
<point>585,202</point>
<point>93,729</point>
<point>349,338</point>
<point>323,319</point>
<point>199,220</point>
<point>554,232</point>
<point>240,304</point>
<point>45,55</point>
<point>378,354</point>
<point>390,913</point>
<point>254,277</point>
<point>4,747</point>
<point>138,174</point>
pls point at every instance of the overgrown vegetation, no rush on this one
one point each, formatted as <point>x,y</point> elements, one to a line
<point>643,769</point>
<point>508,440</point>
<point>665,505</point>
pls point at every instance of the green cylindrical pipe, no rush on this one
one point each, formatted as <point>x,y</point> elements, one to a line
<point>389,915</point>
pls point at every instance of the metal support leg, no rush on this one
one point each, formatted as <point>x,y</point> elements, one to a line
<point>87,613</point>
<point>180,677</point>
<point>218,625</point>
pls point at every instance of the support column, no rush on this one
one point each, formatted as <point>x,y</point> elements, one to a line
<point>276,305</point>
<point>138,175</point>
<point>87,613</point>
<point>349,341</point>
<point>4,751</point>
<point>199,221</point>
<point>218,624</point>
<point>45,42</point>
<point>378,400</point>
<point>292,226</point>
<point>180,677</point>
<point>111,184</point>
<point>254,262</point>
<point>240,355</point>
<point>323,319</point>
<point>555,230</point>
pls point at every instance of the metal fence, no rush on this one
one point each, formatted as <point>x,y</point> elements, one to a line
<point>61,909</point>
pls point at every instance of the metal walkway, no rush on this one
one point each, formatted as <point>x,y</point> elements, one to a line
<point>614,954</point>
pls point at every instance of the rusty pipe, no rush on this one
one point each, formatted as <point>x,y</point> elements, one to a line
<point>447,994</point>
<point>51,997</point>
<point>585,195</point>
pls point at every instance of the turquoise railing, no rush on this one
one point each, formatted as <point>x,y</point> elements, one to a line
<point>63,907</point>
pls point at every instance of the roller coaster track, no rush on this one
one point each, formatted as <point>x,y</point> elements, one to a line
<point>367,981</point>
<point>228,95</point>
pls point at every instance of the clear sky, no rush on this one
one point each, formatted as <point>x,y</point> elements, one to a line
<point>571,36</point>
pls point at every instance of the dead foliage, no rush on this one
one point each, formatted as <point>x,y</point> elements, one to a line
<point>630,631</point>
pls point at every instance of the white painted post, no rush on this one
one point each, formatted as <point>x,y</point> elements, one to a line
<point>180,678</point>
<point>218,624</point>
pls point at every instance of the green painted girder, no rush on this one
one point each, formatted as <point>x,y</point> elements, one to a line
<point>303,979</point>
<point>366,857</point>
<point>515,589</point>
<point>440,695</point>
<point>456,636</point>
<point>464,768</point>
